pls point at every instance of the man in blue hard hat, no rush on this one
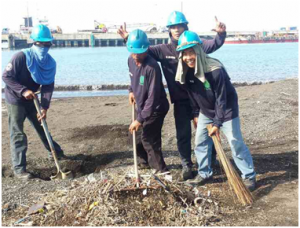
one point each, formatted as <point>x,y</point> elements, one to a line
<point>214,101</point>
<point>25,73</point>
<point>168,57</point>
<point>151,99</point>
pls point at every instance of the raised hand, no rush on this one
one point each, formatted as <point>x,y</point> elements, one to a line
<point>220,27</point>
<point>122,31</point>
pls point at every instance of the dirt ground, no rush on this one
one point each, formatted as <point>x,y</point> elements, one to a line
<point>93,132</point>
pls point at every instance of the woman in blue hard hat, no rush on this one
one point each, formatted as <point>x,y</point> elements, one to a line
<point>151,100</point>
<point>214,101</point>
<point>168,57</point>
<point>25,73</point>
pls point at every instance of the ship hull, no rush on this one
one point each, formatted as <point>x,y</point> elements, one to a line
<point>260,41</point>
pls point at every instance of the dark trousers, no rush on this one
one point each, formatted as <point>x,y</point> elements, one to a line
<point>18,139</point>
<point>183,117</point>
<point>148,140</point>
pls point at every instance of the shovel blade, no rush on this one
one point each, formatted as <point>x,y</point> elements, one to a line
<point>62,176</point>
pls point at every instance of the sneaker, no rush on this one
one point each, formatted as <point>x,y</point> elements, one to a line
<point>198,180</point>
<point>144,166</point>
<point>187,173</point>
<point>23,175</point>
<point>250,184</point>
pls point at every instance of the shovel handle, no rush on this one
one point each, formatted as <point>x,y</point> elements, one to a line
<point>134,147</point>
<point>45,126</point>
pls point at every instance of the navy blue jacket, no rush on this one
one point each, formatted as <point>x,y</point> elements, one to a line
<point>18,79</point>
<point>167,55</point>
<point>219,101</point>
<point>147,87</point>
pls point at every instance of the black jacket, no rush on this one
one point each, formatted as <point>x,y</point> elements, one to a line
<point>217,101</point>
<point>147,87</point>
<point>167,55</point>
<point>18,79</point>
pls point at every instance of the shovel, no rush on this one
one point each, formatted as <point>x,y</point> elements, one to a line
<point>134,149</point>
<point>60,174</point>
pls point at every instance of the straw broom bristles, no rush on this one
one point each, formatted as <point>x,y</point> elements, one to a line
<point>234,180</point>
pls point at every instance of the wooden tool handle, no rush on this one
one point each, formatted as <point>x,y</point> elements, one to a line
<point>134,147</point>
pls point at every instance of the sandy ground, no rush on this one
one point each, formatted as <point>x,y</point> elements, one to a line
<point>93,132</point>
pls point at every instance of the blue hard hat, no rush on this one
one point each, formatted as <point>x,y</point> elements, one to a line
<point>188,39</point>
<point>41,33</point>
<point>137,42</point>
<point>176,18</point>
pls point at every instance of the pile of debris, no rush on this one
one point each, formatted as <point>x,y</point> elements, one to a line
<point>103,200</point>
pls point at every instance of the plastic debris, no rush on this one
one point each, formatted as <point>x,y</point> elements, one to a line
<point>93,205</point>
<point>21,220</point>
<point>168,178</point>
<point>36,208</point>
<point>145,192</point>
<point>91,178</point>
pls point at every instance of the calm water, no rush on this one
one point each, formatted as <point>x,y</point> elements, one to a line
<point>108,65</point>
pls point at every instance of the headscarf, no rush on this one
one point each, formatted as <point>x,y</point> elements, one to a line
<point>40,64</point>
<point>204,64</point>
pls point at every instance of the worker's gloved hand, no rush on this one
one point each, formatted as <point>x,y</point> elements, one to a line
<point>122,32</point>
<point>220,27</point>
<point>28,94</point>
<point>134,126</point>
<point>131,98</point>
<point>215,131</point>
<point>44,115</point>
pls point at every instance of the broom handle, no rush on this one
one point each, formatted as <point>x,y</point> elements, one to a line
<point>134,145</point>
<point>217,143</point>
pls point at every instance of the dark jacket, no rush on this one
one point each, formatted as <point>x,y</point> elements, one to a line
<point>167,55</point>
<point>147,87</point>
<point>218,101</point>
<point>18,79</point>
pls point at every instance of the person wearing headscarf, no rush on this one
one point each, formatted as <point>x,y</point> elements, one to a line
<point>214,101</point>
<point>28,71</point>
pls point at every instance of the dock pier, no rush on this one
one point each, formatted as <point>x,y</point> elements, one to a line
<point>17,41</point>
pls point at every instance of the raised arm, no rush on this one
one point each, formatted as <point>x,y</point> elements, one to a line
<point>209,46</point>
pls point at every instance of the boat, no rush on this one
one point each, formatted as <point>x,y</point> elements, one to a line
<point>284,35</point>
<point>242,40</point>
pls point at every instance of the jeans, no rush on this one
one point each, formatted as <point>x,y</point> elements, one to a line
<point>183,117</point>
<point>240,152</point>
<point>18,139</point>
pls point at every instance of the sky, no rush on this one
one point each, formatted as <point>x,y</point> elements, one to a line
<point>238,15</point>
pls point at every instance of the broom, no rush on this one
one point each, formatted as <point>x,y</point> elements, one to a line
<point>234,180</point>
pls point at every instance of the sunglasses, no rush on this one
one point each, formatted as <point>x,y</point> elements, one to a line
<point>43,44</point>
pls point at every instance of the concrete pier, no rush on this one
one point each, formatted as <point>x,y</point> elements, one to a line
<point>81,40</point>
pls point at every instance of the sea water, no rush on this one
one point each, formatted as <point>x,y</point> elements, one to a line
<point>108,65</point>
